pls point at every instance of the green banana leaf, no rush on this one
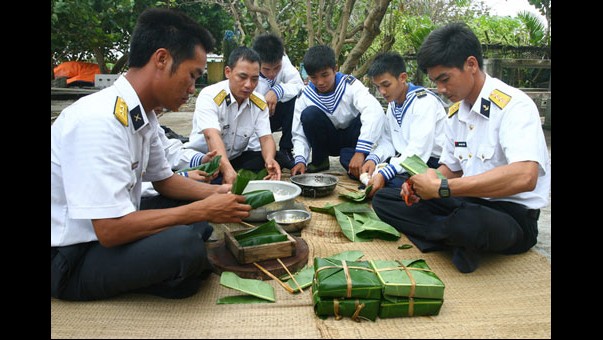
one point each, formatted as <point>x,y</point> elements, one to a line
<point>235,299</point>
<point>305,275</point>
<point>239,184</point>
<point>262,239</point>
<point>252,175</point>
<point>257,288</point>
<point>263,234</point>
<point>345,207</point>
<point>349,226</point>
<point>330,280</point>
<point>357,196</point>
<point>371,228</point>
<point>209,167</point>
<point>259,198</point>
<point>397,282</point>
<point>415,165</point>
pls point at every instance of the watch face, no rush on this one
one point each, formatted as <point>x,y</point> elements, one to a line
<point>444,193</point>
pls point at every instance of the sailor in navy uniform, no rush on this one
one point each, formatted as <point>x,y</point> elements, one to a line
<point>414,126</point>
<point>335,115</point>
<point>495,161</point>
<point>280,83</point>
<point>236,117</point>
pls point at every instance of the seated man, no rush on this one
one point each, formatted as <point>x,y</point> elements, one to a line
<point>105,241</point>
<point>232,119</point>
<point>495,161</point>
<point>280,83</point>
<point>414,123</point>
<point>335,115</point>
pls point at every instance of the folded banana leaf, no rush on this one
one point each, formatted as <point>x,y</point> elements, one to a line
<point>408,278</point>
<point>257,288</point>
<point>263,234</point>
<point>209,167</point>
<point>349,227</point>
<point>357,196</point>
<point>396,306</point>
<point>253,176</point>
<point>305,275</point>
<point>239,184</point>
<point>415,165</point>
<point>371,228</point>
<point>343,279</point>
<point>345,207</point>
<point>259,198</point>
<point>357,309</point>
<point>262,239</point>
<point>237,299</point>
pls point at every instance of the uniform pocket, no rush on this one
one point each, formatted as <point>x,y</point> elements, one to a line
<point>461,153</point>
<point>242,138</point>
<point>485,152</point>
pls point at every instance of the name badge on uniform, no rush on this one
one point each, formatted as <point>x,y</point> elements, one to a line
<point>134,165</point>
<point>226,127</point>
<point>460,144</point>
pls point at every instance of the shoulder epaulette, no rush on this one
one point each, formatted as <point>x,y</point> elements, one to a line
<point>421,93</point>
<point>121,111</point>
<point>453,109</point>
<point>219,98</point>
<point>350,79</point>
<point>258,101</point>
<point>499,98</point>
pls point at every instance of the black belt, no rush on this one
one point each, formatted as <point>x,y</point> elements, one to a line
<point>534,213</point>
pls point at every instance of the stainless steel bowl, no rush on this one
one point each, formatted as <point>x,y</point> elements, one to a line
<point>315,185</point>
<point>284,198</point>
<point>291,220</point>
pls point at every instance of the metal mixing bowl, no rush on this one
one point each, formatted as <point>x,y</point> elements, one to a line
<point>284,197</point>
<point>291,220</point>
<point>315,185</point>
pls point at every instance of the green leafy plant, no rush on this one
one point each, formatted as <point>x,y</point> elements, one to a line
<point>209,167</point>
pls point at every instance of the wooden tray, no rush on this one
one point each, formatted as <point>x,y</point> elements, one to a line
<point>250,254</point>
<point>222,260</point>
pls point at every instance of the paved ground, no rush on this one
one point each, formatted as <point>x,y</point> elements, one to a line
<point>181,122</point>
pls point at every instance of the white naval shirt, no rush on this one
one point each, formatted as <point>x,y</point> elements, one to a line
<point>98,163</point>
<point>414,128</point>
<point>484,136</point>
<point>349,99</point>
<point>286,84</point>
<point>240,126</point>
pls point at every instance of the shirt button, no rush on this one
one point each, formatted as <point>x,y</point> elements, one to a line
<point>469,155</point>
<point>471,127</point>
<point>460,156</point>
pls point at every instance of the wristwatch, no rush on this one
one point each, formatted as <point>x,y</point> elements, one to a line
<point>444,191</point>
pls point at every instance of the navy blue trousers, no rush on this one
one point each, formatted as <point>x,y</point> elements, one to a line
<point>170,264</point>
<point>283,119</point>
<point>325,140</point>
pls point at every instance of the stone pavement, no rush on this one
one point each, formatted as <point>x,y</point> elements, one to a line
<point>181,122</point>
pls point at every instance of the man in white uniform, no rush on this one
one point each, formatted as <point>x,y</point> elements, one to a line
<point>232,119</point>
<point>335,115</point>
<point>104,242</point>
<point>414,123</point>
<point>495,161</point>
<point>280,83</point>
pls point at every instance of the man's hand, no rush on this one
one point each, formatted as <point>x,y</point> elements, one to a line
<point>356,164</point>
<point>421,186</point>
<point>368,166</point>
<point>271,100</point>
<point>223,208</point>
<point>274,170</point>
<point>298,168</point>
<point>209,156</point>
<point>201,176</point>
<point>377,181</point>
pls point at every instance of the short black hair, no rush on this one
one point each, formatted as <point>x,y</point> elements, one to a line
<point>170,29</point>
<point>242,53</point>
<point>387,62</point>
<point>318,58</point>
<point>450,46</point>
<point>270,47</point>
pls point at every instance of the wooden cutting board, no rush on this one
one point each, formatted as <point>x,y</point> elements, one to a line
<point>223,260</point>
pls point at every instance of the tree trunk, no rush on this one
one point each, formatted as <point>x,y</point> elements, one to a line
<point>120,63</point>
<point>100,59</point>
<point>370,31</point>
